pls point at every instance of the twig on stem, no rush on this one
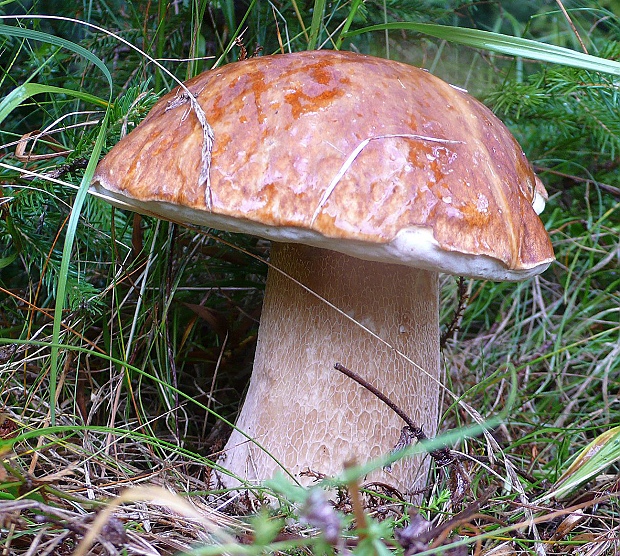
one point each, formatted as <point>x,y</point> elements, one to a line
<point>443,456</point>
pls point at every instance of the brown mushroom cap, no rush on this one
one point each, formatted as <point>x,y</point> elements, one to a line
<point>321,147</point>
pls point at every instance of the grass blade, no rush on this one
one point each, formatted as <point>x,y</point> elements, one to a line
<point>24,92</point>
<point>15,31</point>
<point>502,44</point>
<point>347,24</point>
<point>597,456</point>
<point>317,22</point>
<point>66,259</point>
<point>9,103</point>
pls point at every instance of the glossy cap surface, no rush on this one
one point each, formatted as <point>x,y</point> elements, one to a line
<point>352,153</point>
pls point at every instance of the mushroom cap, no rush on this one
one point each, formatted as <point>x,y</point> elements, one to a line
<point>370,157</point>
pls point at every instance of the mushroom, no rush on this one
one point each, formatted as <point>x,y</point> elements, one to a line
<point>370,177</point>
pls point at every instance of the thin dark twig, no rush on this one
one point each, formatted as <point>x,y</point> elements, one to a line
<point>357,378</point>
<point>615,191</point>
<point>572,25</point>
<point>443,456</point>
<point>68,167</point>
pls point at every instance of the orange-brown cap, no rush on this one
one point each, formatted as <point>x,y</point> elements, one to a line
<point>361,155</point>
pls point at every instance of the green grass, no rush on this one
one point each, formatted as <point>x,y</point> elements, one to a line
<point>124,340</point>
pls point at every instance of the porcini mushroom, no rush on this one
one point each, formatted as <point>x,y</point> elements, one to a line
<point>371,177</point>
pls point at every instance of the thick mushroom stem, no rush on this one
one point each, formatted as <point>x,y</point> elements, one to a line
<point>303,412</point>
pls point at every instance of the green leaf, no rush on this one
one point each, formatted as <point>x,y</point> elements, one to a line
<point>266,528</point>
<point>282,484</point>
<point>24,92</point>
<point>6,261</point>
<point>597,456</point>
<point>503,44</point>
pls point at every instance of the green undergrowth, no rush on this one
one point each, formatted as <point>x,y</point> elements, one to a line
<point>115,394</point>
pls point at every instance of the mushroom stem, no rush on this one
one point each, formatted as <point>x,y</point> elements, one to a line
<point>306,414</point>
